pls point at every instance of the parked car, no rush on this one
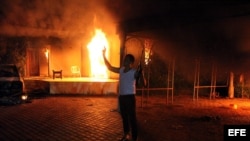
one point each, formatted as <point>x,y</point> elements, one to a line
<point>12,87</point>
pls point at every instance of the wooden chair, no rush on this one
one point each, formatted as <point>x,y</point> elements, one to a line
<point>57,73</point>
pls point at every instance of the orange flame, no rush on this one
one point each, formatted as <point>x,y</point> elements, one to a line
<point>95,47</point>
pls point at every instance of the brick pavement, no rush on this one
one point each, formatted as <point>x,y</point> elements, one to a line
<point>89,118</point>
<point>61,118</point>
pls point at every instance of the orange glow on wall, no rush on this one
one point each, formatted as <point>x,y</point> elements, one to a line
<point>95,47</point>
<point>46,53</point>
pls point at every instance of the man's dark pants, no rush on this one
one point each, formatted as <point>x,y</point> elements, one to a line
<point>128,113</point>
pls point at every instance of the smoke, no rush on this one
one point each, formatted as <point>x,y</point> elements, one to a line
<point>70,18</point>
<point>52,18</point>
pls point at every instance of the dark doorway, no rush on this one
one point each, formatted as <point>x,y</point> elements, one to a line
<point>32,62</point>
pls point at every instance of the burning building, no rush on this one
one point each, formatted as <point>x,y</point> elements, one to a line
<point>56,35</point>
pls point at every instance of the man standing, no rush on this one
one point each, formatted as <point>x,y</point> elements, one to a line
<point>127,91</point>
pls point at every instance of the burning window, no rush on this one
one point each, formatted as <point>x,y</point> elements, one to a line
<point>95,47</point>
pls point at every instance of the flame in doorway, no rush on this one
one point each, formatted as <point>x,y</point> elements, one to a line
<point>95,47</point>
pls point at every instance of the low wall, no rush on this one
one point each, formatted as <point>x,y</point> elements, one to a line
<point>84,86</point>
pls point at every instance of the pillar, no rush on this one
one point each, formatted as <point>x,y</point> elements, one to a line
<point>231,86</point>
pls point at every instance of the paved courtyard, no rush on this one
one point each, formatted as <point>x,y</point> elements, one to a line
<point>91,118</point>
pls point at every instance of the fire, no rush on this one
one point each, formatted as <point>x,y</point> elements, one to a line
<point>95,47</point>
<point>46,53</point>
<point>234,106</point>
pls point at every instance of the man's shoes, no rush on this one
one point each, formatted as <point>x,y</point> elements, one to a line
<point>113,110</point>
<point>125,138</point>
